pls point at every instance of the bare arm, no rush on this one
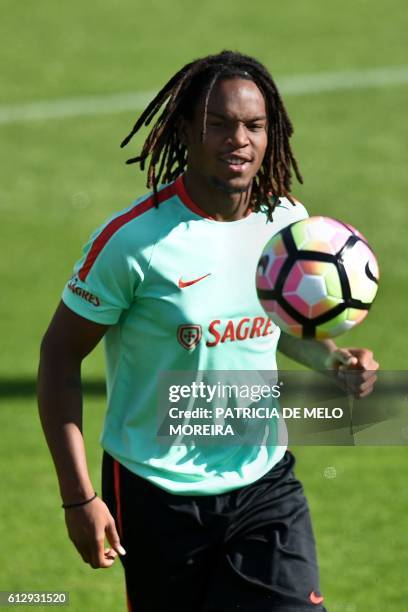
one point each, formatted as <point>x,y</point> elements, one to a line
<point>313,354</point>
<point>325,355</point>
<point>66,343</point>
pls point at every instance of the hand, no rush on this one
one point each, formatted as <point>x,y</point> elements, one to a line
<point>355,368</point>
<point>87,527</point>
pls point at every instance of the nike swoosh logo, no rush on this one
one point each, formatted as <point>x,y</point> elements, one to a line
<point>316,599</point>
<point>182,284</point>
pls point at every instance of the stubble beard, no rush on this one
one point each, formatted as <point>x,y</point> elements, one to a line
<point>229,189</point>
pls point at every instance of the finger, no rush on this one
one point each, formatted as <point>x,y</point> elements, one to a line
<point>98,559</point>
<point>368,384</point>
<point>365,358</point>
<point>359,382</point>
<point>355,378</point>
<point>365,393</point>
<point>113,538</point>
<point>369,375</point>
<point>349,379</point>
<point>110,554</point>
<point>344,358</point>
<point>364,389</point>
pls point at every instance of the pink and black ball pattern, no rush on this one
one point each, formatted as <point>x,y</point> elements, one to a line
<point>317,278</point>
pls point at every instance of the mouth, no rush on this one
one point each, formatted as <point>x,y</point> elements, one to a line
<point>236,163</point>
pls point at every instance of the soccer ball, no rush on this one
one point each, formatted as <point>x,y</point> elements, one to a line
<point>317,278</point>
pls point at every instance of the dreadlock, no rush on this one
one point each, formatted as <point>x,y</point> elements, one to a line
<point>180,95</point>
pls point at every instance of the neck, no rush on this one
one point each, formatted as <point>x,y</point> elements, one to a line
<point>215,200</point>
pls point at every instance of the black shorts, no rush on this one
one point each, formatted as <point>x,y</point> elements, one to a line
<point>251,549</point>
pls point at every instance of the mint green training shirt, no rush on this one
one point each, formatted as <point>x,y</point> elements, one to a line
<point>136,276</point>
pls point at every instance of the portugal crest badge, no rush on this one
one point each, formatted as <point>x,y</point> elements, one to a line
<point>189,336</point>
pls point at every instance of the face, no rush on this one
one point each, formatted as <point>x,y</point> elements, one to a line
<point>235,140</point>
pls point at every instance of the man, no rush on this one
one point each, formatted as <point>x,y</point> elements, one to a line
<point>204,529</point>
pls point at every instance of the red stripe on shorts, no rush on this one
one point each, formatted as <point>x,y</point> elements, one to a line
<point>116,484</point>
<point>115,225</point>
<point>129,606</point>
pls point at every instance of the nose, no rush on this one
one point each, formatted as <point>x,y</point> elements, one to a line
<point>239,135</point>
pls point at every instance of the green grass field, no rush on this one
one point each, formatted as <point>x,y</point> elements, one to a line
<point>60,178</point>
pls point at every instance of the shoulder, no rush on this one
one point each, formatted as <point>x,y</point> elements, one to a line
<point>141,221</point>
<point>148,209</point>
<point>130,233</point>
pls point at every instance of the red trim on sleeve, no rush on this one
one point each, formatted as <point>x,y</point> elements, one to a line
<point>112,227</point>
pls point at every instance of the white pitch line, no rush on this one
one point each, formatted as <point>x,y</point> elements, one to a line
<point>118,103</point>
<point>352,79</point>
<point>74,107</point>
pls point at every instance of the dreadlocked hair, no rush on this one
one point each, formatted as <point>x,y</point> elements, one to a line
<point>168,154</point>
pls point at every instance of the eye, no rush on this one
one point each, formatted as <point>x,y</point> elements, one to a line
<point>256,127</point>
